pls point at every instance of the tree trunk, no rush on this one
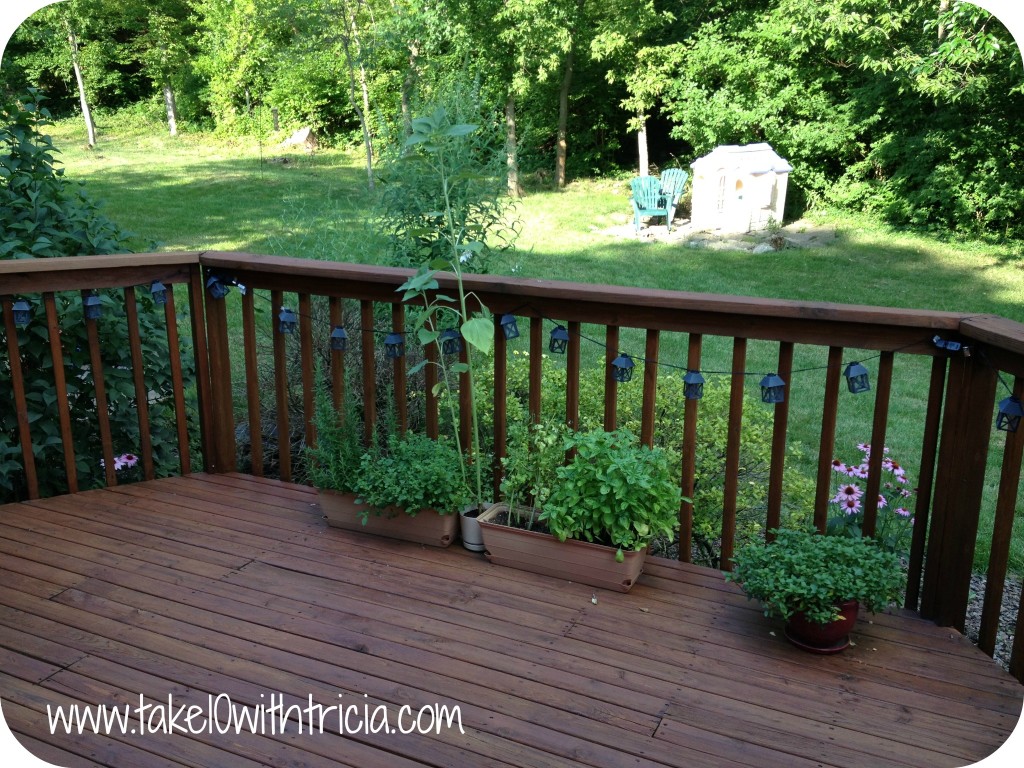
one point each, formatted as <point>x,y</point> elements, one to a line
<point>515,188</point>
<point>641,145</point>
<point>172,109</point>
<point>407,86</point>
<point>943,7</point>
<point>90,126</point>
<point>563,121</point>
<point>360,105</point>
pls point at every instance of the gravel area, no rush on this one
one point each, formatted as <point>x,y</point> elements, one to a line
<point>1007,617</point>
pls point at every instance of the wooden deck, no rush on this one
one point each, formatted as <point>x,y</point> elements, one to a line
<point>193,587</point>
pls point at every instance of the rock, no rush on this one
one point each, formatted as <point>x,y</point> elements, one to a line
<point>304,137</point>
<point>764,248</point>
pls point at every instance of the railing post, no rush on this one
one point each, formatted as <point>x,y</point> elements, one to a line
<point>223,438</point>
<point>966,430</point>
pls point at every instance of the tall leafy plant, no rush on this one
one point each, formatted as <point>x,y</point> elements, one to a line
<point>439,148</point>
<point>42,215</point>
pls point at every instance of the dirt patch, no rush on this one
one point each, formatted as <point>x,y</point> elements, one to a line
<point>799,234</point>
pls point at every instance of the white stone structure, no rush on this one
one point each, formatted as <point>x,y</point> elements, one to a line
<point>739,189</point>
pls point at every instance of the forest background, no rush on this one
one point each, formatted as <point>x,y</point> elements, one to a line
<point>910,111</point>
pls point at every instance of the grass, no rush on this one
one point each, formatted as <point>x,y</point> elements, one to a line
<point>196,192</point>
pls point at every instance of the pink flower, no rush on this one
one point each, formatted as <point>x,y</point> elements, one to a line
<point>903,512</point>
<point>851,506</point>
<point>865,447</point>
<point>906,493</point>
<point>848,492</point>
<point>129,459</point>
<point>860,472</point>
<point>882,503</point>
<point>838,466</point>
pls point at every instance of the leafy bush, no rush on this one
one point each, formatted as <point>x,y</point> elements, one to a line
<point>712,438</point>
<point>414,473</point>
<point>334,462</point>
<point>614,491</point>
<point>44,215</point>
<point>805,571</point>
<point>445,189</point>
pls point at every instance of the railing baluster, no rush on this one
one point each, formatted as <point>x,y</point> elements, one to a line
<point>827,445</point>
<point>284,437</point>
<point>252,383</point>
<point>20,403</point>
<point>926,477</point>
<point>223,441</point>
<point>100,395</point>
<point>1002,529</point>
<point>966,431</point>
<point>139,379</point>
<point>306,357</point>
<point>60,385</point>
<point>650,388</point>
<point>398,372</point>
<point>611,388</point>
<point>431,352</point>
<point>177,382</point>
<point>196,292</point>
<point>778,462</point>
<point>732,451</point>
<point>337,358</point>
<point>536,359</point>
<point>689,457</point>
<point>500,406</point>
<point>370,373</point>
<point>878,430</point>
<point>572,377</point>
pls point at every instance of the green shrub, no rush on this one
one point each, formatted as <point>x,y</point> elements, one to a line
<point>414,473</point>
<point>44,215</point>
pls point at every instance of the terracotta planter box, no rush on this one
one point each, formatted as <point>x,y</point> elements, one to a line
<point>579,561</point>
<point>823,638</point>
<point>426,527</point>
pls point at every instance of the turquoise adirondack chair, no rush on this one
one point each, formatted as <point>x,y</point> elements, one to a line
<point>658,197</point>
<point>648,200</point>
<point>672,182</point>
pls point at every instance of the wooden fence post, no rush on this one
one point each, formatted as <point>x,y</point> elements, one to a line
<point>967,425</point>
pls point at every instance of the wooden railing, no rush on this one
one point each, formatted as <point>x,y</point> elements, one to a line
<point>958,409</point>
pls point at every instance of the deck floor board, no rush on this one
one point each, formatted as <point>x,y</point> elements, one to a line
<point>226,584</point>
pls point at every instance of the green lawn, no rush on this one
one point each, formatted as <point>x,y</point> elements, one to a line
<point>195,192</point>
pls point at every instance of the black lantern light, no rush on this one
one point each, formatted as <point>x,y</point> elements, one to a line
<point>857,378</point>
<point>159,293</point>
<point>92,307</point>
<point>946,344</point>
<point>1010,412</point>
<point>394,345</point>
<point>559,340</point>
<point>773,389</point>
<point>693,385</point>
<point>286,321</point>
<point>22,312</point>
<point>339,339</point>
<point>509,327</point>
<point>451,342</point>
<point>622,368</point>
<point>217,287</point>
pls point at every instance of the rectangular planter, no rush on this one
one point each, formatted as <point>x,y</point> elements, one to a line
<point>425,527</point>
<point>579,561</point>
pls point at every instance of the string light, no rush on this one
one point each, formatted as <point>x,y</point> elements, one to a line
<point>92,307</point>
<point>451,342</point>
<point>394,345</point>
<point>286,321</point>
<point>339,339</point>
<point>857,378</point>
<point>159,293</point>
<point>622,368</point>
<point>559,340</point>
<point>22,312</point>
<point>773,389</point>
<point>509,327</point>
<point>1010,413</point>
<point>693,385</point>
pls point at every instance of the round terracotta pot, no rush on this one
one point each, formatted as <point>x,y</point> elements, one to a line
<point>823,638</point>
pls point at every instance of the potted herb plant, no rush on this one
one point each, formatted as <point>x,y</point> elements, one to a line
<point>332,464</point>
<point>598,517</point>
<point>408,491</point>
<point>816,583</point>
